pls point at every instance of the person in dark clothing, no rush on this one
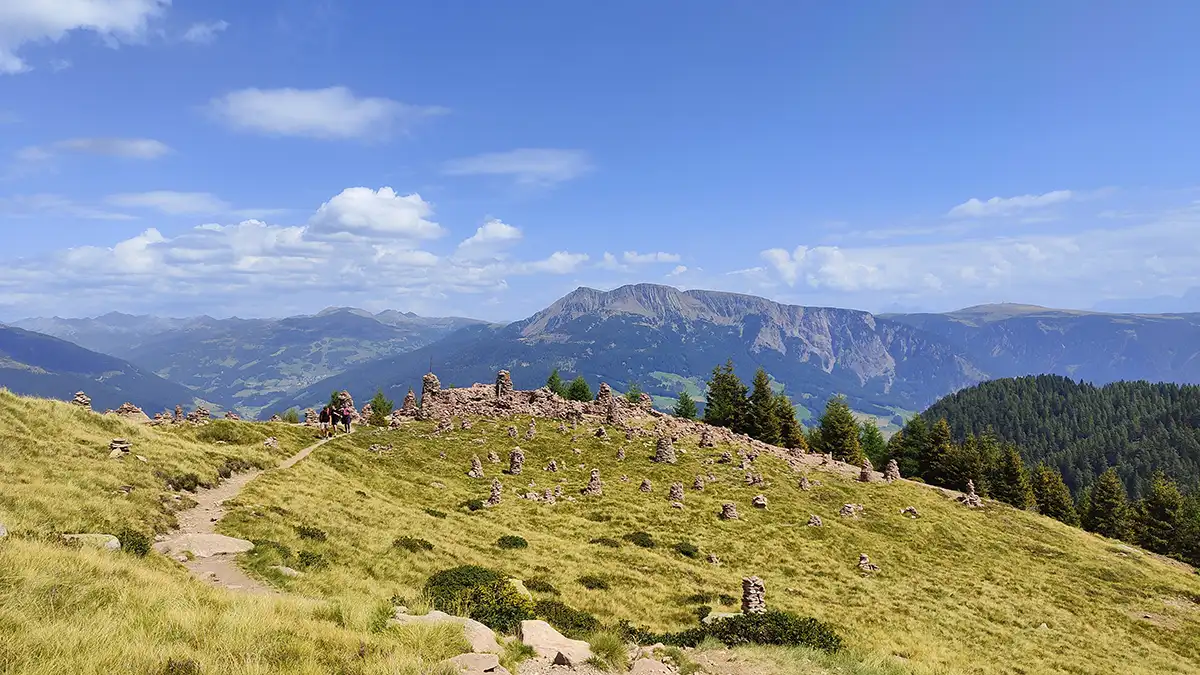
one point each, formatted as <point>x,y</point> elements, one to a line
<point>324,418</point>
<point>347,417</point>
<point>335,418</point>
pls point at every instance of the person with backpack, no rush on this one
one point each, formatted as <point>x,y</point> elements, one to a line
<point>325,418</point>
<point>347,416</point>
<point>335,418</point>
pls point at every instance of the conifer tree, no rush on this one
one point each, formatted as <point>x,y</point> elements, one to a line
<point>1010,480</point>
<point>1157,516</point>
<point>555,384</point>
<point>839,432</point>
<point>812,436</point>
<point>763,422</point>
<point>1107,507</point>
<point>1052,496</point>
<point>685,407</point>
<point>935,459</point>
<point>725,401</point>
<point>381,407</point>
<point>967,464</point>
<point>908,446</point>
<point>989,455</point>
<point>634,395</point>
<point>791,434</point>
<point>1189,530</point>
<point>579,390</point>
<point>873,445</point>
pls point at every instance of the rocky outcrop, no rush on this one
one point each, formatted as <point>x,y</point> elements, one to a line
<point>549,643</point>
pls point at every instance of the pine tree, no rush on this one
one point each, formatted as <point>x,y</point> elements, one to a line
<point>791,434</point>
<point>935,457</point>
<point>873,445</point>
<point>634,395</point>
<point>1157,516</point>
<point>1189,530</point>
<point>579,390</point>
<point>763,422</point>
<point>839,432</point>
<point>1108,509</point>
<point>967,464</point>
<point>685,407</point>
<point>725,401</point>
<point>812,436</point>
<point>1010,480</point>
<point>908,447</point>
<point>989,456</point>
<point>1052,496</point>
<point>381,407</point>
<point>555,384</point>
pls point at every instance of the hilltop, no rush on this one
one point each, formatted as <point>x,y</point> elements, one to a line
<point>1026,593</point>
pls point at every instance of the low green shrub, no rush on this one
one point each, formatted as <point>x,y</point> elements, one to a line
<point>263,547</point>
<point>412,544</point>
<point>608,652</point>
<point>593,582</point>
<point>309,560</point>
<point>642,539</point>
<point>598,517</point>
<point>702,612</point>
<point>774,627</point>
<point>510,542</point>
<point>727,600</point>
<point>308,532</point>
<point>697,599</point>
<point>498,605</point>
<point>292,416</point>
<point>435,513</point>
<point>573,623</point>
<point>447,587</point>
<point>606,541</point>
<point>540,585</point>
<point>473,504</point>
<point>134,541</point>
<point>181,482</point>
<point>687,549</point>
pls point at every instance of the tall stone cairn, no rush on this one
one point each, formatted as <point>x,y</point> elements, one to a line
<point>675,493</point>
<point>604,394</point>
<point>476,468</point>
<point>493,457</point>
<point>971,499</point>
<point>865,475</point>
<point>664,452</point>
<point>805,484</point>
<point>345,400</point>
<point>645,402</point>
<point>497,492</point>
<point>82,400</point>
<point>512,431</point>
<point>409,406</point>
<point>532,430</point>
<point>646,486</point>
<point>620,454</point>
<point>430,388</point>
<point>611,416</point>
<point>516,461</point>
<point>698,484</point>
<point>706,438</point>
<point>594,487</point>
<point>726,458</point>
<point>754,596</point>
<point>179,418</point>
<point>504,387</point>
<point>729,511</point>
<point>892,473</point>
<point>310,417</point>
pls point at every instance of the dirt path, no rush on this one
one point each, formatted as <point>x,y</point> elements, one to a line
<point>214,558</point>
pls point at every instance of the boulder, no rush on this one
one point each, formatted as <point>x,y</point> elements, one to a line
<point>480,637</point>
<point>203,545</point>
<point>650,667</point>
<point>551,644</point>
<point>3,531</point>
<point>104,542</point>
<point>519,585</point>
<point>475,663</point>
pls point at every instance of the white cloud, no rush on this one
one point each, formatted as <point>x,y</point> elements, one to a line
<point>635,258</point>
<point>128,148</point>
<point>363,212</point>
<point>42,205</point>
<point>1007,206</point>
<point>204,32</point>
<point>26,21</point>
<point>610,262</point>
<point>330,113</point>
<point>489,240</point>
<point>171,203</point>
<point>679,269</point>
<point>559,262</point>
<point>528,166</point>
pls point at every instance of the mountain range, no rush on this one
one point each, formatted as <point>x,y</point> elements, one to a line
<point>660,338</point>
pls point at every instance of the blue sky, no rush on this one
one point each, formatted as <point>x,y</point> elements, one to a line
<point>460,157</point>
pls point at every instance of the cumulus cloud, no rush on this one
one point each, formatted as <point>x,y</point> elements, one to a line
<point>559,262</point>
<point>204,32</point>
<point>528,166</point>
<point>363,212</point>
<point>332,113</point>
<point>635,258</point>
<point>489,240</point>
<point>1007,206</point>
<point>679,269</point>
<point>609,262</point>
<point>27,21</point>
<point>171,203</point>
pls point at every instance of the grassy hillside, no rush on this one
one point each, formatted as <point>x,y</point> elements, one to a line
<point>959,591</point>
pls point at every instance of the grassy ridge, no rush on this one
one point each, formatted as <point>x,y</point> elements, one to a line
<point>960,590</point>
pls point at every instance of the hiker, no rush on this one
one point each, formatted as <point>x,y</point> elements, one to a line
<point>347,416</point>
<point>335,418</point>
<point>325,419</point>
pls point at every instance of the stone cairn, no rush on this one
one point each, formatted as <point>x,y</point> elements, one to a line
<point>497,491</point>
<point>611,416</point>
<point>409,406</point>
<point>601,433</point>
<point>759,502</point>
<point>971,499</point>
<point>82,400</point>
<point>516,461</point>
<point>814,521</point>
<point>754,596</point>
<point>706,438</point>
<point>628,434</point>
<point>476,468</point>
<point>465,424</point>
<point>504,386</point>
<point>621,454</point>
<point>675,493</point>
<point>594,487</point>
<point>271,442</point>
<point>512,431</point>
<point>532,430</point>
<point>129,409</point>
<point>805,484</point>
<point>430,387</point>
<point>891,473</point>
<point>493,457</point>
<point>179,418</point>
<point>911,512</point>
<point>558,491</point>
<point>118,447</point>
<point>444,424</point>
<point>230,415</point>
<point>729,511</point>
<point>698,484</point>
<point>562,427</point>
<point>753,479</point>
<point>865,564</point>
<point>646,486</point>
<point>366,412</point>
<point>345,400</point>
<point>202,414</point>
<point>604,395</point>
<point>851,510</point>
<point>645,402</point>
<point>548,496</point>
<point>726,458</point>
<point>664,452</point>
<point>552,467</point>
<point>275,418</point>
<point>864,476</point>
